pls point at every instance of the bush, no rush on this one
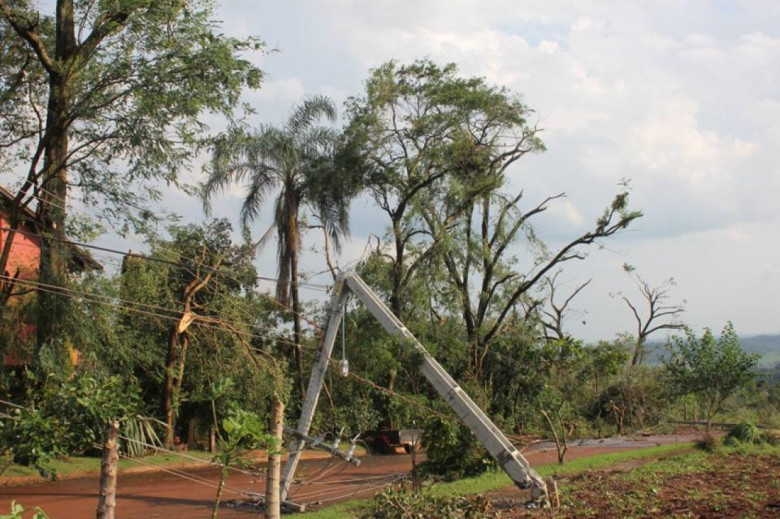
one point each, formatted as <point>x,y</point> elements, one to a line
<point>68,418</point>
<point>744,433</point>
<point>401,502</point>
<point>708,443</point>
<point>453,451</point>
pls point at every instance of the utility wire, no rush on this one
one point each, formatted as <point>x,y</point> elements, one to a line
<point>206,462</point>
<point>171,315</point>
<point>149,258</point>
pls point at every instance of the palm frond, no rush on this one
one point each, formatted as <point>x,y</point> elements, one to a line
<point>311,110</point>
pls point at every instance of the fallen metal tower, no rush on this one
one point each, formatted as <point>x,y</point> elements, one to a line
<point>507,456</point>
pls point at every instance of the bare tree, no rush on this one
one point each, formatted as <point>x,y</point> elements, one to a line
<point>661,314</point>
<point>552,319</point>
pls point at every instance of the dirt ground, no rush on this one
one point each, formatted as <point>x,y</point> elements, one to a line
<point>732,486</point>
<point>189,491</point>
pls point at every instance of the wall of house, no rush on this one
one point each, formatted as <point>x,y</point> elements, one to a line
<point>25,252</point>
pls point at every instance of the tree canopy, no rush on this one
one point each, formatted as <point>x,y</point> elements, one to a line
<point>108,97</point>
<point>709,368</point>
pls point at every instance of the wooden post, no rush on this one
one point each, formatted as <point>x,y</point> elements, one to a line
<point>108,468</point>
<point>272,501</point>
<point>191,435</point>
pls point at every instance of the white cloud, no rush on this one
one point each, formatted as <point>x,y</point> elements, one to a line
<point>287,90</point>
<point>681,97</point>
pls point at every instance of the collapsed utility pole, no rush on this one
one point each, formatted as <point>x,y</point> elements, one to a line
<point>499,447</point>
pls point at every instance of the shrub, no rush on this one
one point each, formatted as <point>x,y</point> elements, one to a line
<point>453,451</point>
<point>708,443</point>
<point>744,433</point>
<point>18,512</point>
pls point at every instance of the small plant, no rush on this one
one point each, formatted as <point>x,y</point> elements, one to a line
<point>708,443</point>
<point>17,512</point>
<point>402,502</point>
<point>744,433</point>
<point>243,431</point>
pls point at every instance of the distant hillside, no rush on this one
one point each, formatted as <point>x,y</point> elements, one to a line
<point>768,346</point>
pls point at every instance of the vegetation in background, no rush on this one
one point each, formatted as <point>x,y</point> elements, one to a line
<point>711,369</point>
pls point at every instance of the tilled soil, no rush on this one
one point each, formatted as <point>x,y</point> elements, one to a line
<point>695,485</point>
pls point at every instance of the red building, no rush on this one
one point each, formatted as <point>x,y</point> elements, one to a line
<point>22,267</point>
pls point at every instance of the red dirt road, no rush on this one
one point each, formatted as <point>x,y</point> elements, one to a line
<point>190,492</point>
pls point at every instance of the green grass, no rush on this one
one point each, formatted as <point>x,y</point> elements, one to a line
<point>83,464</point>
<point>497,480</point>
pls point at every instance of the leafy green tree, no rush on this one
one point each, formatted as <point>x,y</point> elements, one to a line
<point>712,369</point>
<point>112,94</point>
<point>437,148</point>
<point>477,248</point>
<point>606,359</point>
<point>421,130</point>
<point>199,283</point>
<point>296,160</point>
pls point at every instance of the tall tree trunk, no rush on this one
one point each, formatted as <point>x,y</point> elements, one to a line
<point>296,304</point>
<point>53,186</point>
<point>167,394</point>
<point>8,281</point>
<point>396,296</point>
<point>184,342</point>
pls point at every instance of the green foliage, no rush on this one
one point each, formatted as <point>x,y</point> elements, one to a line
<point>137,85</point>
<point>18,512</point>
<point>240,430</point>
<point>711,369</point>
<point>636,398</point>
<point>430,139</point>
<point>401,502</point>
<point>743,433</point>
<point>452,450</point>
<point>69,418</point>
<point>298,159</point>
<point>226,311</point>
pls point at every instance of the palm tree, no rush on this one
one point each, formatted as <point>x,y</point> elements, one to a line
<point>296,161</point>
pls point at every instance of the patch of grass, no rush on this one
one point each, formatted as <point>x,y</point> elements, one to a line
<point>606,460</point>
<point>496,480</point>
<point>686,463</point>
<point>83,464</point>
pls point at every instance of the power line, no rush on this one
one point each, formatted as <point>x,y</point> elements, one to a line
<point>204,321</point>
<point>149,258</point>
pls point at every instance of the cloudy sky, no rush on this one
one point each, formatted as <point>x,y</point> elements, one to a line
<point>681,97</point>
